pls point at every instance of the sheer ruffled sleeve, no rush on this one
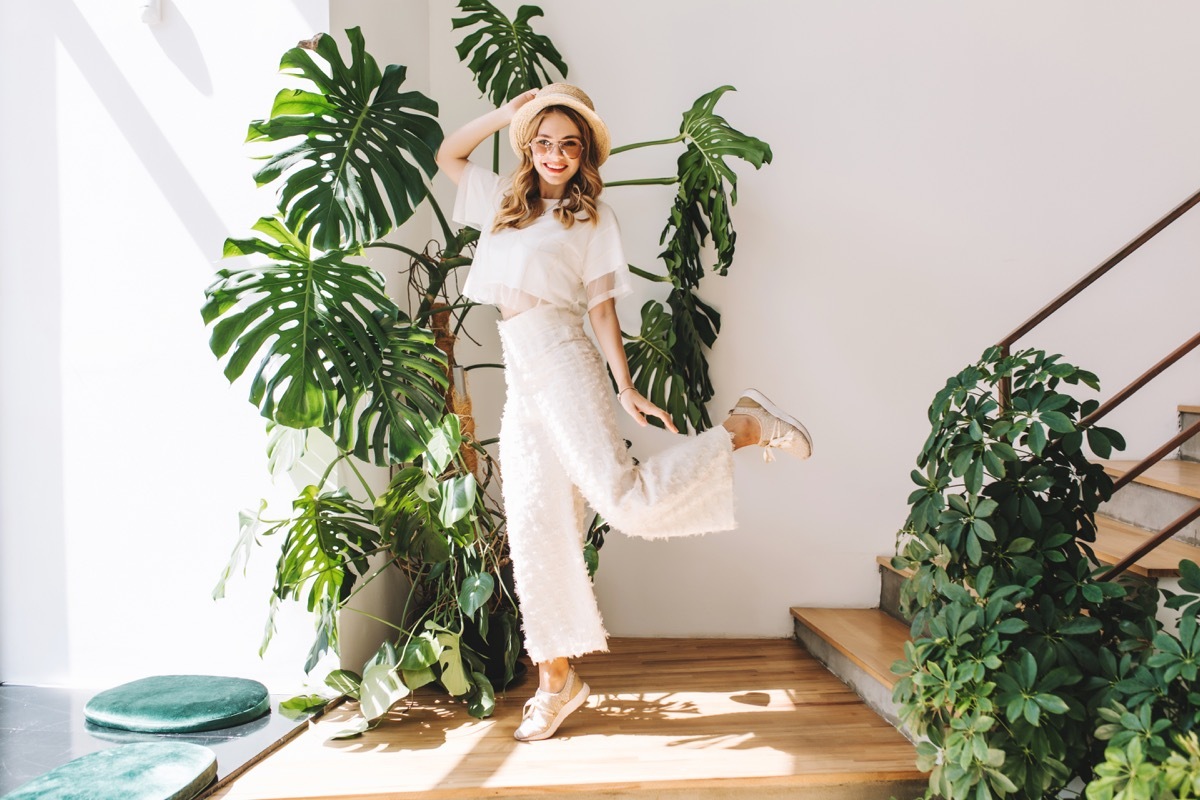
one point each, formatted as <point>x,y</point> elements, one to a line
<point>605,270</point>
<point>477,199</point>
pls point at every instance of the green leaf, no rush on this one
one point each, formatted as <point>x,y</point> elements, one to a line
<point>386,419</point>
<point>420,652</point>
<point>482,701</point>
<point>1099,443</point>
<point>453,675</point>
<point>358,726</point>
<point>344,682</point>
<point>416,678</point>
<point>1056,421</point>
<point>329,539</point>
<point>381,689</point>
<point>476,591</point>
<point>444,441</point>
<point>591,557</point>
<point>285,447</point>
<point>652,364</point>
<point>303,705</point>
<point>507,57</point>
<point>702,205</point>
<point>364,146</point>
<point>1037,438</point>
<point>249,525</point>
<point>326,337</point>
<point>457,499</point>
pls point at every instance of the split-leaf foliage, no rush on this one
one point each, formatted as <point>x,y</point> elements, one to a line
<point>329,352</point>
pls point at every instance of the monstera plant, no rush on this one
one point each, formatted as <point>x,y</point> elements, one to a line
<point>329,353</point>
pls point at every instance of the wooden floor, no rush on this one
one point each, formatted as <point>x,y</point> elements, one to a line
<point>666,718</point>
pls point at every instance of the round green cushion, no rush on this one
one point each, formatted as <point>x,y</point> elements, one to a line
<point>179,704</point>
<point>143,771</point>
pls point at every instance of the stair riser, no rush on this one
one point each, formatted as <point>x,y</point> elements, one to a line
<point>1152,508</point>
<point>1190,450</point>
<point>877,696</point>
<point>889,594</point>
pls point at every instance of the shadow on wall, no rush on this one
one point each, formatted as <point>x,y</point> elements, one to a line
<point>163,164</point>
<point>178,42</point>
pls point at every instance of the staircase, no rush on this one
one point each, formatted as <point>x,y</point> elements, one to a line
<point>859,645</point>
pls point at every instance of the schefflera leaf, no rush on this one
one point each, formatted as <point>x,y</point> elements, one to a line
<point>359,170</point>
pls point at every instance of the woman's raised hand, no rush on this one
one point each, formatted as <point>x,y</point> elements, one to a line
<point>638,407</point>
<point>510,108</point>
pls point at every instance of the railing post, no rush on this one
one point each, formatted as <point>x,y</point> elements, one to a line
<point>1005,389</point>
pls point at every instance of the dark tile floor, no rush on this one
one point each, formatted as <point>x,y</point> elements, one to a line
<point>42,728</point>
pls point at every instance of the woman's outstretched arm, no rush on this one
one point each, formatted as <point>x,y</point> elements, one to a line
<point>458,146</point>
<point>607,327</point>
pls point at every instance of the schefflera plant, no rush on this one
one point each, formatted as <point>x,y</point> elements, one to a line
<point>1010,622</point>
<point>1027,672</point>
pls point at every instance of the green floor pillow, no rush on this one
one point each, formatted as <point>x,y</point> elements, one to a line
<point>179,704</point>
<point>143,771</point>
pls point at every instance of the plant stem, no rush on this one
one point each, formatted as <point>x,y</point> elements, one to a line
<point>406,250</point>
<point>377,619</point>
<point>362,480</point>
<point>636,145</point>
<point>643,182</point>
<point>329,469</point>
<point>437,210</point>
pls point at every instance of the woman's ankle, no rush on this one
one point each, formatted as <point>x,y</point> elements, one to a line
<point>742,428</point>
<point>552,675</point>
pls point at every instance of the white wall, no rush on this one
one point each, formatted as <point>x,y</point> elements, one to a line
<point>940,171</point>
<point>126,455</point>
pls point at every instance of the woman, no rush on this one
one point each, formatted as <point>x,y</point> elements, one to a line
<point>549,251</point>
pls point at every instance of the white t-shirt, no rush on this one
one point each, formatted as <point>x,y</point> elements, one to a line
<point>516,269</point>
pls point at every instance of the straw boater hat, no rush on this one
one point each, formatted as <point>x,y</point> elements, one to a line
<point>520,130</point>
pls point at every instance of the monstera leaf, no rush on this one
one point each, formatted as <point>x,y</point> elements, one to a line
<point>696,325</point>
<point>386,420</point>
<point>328,344</point>
<point>702,204</point>
<point>328,542</point>
<point>357,172</point>
<point>509,58</point>
<point>654,370</point>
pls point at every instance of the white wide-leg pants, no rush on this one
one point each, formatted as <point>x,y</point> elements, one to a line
<point>560,448</point>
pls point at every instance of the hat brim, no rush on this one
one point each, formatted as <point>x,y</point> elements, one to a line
<point>519,134</point>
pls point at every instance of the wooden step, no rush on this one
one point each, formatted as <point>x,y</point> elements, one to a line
<point>1189,409</point>
<point>1115,540</point>
<point>1177,477</point>
<point>871,639</point>
<point>886,563</point>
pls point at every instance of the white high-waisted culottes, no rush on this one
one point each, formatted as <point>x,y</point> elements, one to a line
<point>560,448</point>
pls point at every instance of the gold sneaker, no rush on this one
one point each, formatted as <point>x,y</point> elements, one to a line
<point>778,431</point>
<point>545,711</point>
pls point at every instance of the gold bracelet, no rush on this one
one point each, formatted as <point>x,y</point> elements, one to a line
<point>623,391</point>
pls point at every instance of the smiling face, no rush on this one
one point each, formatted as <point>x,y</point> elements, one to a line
<point>554,168</point>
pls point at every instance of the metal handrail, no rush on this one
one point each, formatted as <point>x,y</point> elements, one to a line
<point>1158,455</point>
<point>1146,377</point>
<point>1087,280</point>
<point>1005,386</point>
<point>1151,543</point>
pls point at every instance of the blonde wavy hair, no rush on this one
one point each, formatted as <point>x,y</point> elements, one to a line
<point>521,204</point>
